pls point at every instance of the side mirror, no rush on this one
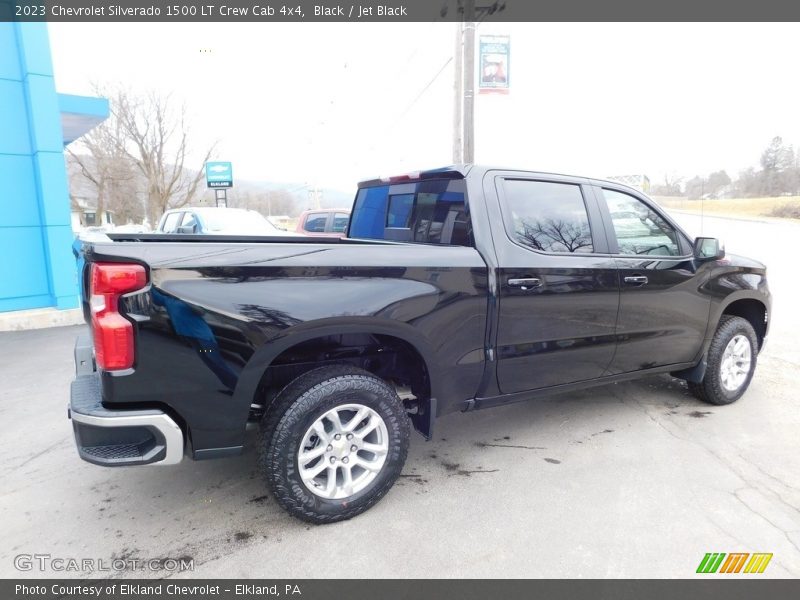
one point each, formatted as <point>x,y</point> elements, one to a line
<point>708,249</point>
<point>186,229</point>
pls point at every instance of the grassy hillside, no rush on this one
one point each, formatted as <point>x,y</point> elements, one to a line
<point>784,206</point>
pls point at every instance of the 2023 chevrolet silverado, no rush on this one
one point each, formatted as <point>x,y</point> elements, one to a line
<point>455,289</point>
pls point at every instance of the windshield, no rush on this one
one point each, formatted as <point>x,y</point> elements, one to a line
<point>239,222</point>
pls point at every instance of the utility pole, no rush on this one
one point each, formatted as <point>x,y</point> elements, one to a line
<point>469,81</point>
<point>464,86</point>
<point>458,95</point>
<point>315,197</point>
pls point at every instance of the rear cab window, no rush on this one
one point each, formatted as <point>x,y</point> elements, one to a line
<point>426,212</point>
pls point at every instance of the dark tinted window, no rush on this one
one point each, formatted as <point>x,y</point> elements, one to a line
<point>431,212</point>
<point>545,216</point>
<point>315,223</point>
<point>640,229</point>
<point>399,212</point>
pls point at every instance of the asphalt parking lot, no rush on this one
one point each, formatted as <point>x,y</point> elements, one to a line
<point>635,479</point>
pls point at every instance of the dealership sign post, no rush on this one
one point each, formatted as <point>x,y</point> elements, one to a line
<point>219,175</point>
<point>493,64</point>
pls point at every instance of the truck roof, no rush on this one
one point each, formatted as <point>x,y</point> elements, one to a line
<point>460,171</point>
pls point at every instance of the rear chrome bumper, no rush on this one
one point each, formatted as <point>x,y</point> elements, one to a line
<point>116,438</point>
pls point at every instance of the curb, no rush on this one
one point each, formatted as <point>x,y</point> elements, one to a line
<point>40,318</point>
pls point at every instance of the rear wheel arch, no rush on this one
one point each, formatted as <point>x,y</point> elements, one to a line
<point>391,352</point>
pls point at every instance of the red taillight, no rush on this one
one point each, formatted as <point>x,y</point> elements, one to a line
<point>113,333</point>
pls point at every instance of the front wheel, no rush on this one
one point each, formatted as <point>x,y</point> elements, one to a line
<point>731,362</point>
<point>333,443</point>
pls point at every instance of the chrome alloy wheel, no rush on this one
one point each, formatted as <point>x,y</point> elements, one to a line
<point>735,364</point>
<point>343,451</point>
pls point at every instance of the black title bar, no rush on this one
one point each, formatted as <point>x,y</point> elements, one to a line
<point>390,589</point>
<point>242,11</point>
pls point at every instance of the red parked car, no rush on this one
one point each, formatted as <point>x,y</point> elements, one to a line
<point>324,222</point>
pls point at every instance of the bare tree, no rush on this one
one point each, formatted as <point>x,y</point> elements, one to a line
<point>155,136</point>
<point>671,186</point>
<point>555,235</point>
<point>777,162</point>
<point>105,165</point>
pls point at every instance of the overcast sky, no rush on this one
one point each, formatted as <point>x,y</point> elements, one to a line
<point>330,104</point>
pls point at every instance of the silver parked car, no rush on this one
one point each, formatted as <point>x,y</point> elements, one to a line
<point>217,221</point>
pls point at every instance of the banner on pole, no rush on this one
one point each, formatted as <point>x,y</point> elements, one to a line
<point>493,62</point>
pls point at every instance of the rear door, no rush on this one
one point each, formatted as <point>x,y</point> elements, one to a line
<point>662,319</point>
<point>558,286</point>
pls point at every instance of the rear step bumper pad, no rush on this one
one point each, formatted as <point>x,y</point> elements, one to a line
<point>120,437</point>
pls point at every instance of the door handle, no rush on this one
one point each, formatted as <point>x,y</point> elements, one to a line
<point>525,284</point>
<point>636,280</point>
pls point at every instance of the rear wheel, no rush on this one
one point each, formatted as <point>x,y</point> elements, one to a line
<point>333,443</point>
<point>731,362</point>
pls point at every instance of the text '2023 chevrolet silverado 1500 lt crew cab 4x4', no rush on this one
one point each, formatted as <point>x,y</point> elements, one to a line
<point>454,289</point>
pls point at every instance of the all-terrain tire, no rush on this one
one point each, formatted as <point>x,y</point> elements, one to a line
<point>711,389</point>
<point>290,416</point>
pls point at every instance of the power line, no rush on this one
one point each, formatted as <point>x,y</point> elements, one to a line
<point>422,92</point>
<point>408,108</point>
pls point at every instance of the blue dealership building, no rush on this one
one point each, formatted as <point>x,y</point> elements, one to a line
<point>37,269</point>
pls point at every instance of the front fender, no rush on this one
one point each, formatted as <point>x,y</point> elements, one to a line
<point>733,285</point>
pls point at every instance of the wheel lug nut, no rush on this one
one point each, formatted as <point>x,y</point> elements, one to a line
<point>353,448</point>
<point>349,436</point>
<point>337,436</point>
<point>329,448</point>
<point>333,459</point>
<point>345,460</point>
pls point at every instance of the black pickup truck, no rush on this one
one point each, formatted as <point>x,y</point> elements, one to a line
<point>455,289</point>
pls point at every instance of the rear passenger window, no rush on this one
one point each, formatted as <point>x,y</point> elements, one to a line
<point>546,216</point>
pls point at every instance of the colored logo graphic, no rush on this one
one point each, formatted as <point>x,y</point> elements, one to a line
<point>736,562</point>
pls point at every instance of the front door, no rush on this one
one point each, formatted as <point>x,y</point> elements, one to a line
<point>662,319</point>
<point>558,287</point>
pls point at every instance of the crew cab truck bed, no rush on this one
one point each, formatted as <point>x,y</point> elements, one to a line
<point>455,289</point>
